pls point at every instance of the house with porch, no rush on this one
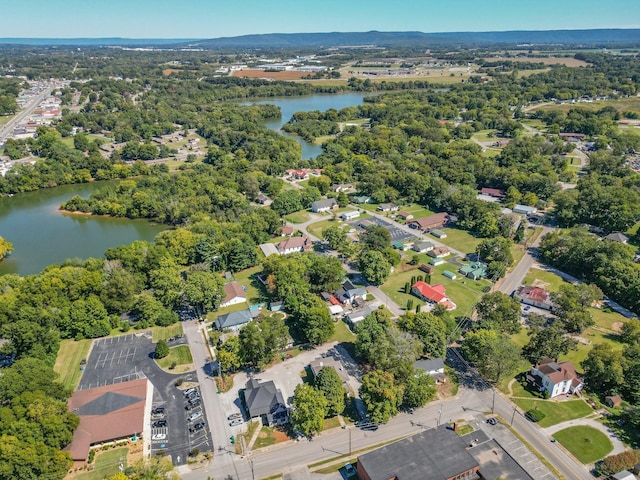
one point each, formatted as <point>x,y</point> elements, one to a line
<point>265,401</point>
<point>294,245</point>
<point>555,378</point>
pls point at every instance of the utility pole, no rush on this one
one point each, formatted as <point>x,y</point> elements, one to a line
<point>513,415</point>
<point>439,414</point>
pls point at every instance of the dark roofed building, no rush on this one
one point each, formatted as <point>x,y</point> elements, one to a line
<point>107,413</point>
<point>438,220</point>
<point>234,320</point>
<point>435,454</point>
<point>264,400</point>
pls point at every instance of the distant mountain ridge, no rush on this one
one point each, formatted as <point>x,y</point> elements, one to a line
<point>336,39</point>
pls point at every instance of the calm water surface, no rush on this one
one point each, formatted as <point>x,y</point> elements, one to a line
<point>42,235</point>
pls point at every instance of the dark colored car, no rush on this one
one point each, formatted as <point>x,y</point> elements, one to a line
<point>160,423</point>
<point>198,426</point>
<point>158,411</point>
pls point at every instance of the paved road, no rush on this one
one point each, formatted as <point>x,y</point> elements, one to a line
<point>220,431</point>
<point>5,130</point>
<point>393,307</point>
<point>514,278</point>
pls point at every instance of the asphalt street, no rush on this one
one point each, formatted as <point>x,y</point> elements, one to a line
<point>5,130</point>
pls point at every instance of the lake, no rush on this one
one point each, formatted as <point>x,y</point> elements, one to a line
<point>42,235</point>
<point>290,105</point>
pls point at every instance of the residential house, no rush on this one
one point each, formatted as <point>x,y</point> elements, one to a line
<point>387,207</point>
<point>349,293</point>
<point>235,320</point>
<point>234,293</point>
<point>613,401</point>
<point>433,367</point>
<point>320,363</point>
<point>341,187</point>
<point>439,252</point>
<point>438,220</point>
<point>321,206</point>
<point>433,454</point>
<point>492,192</point>
<point>361,199</point>
<point>435,294</point>
<point>555,378</point>
<point>618,237</point>
<point>354,317</point>
<point>263,400</point>
<point>406,216</point>
<point>524,209</point>
<point>438,233</point>
<point>423,247</point>
<point>474,270</point>
<point>347,216</point>
<point>535,296</point>
<point>294,245</point>
<point>401,246</point>
<point>262,199</point>
<point>286,231</point>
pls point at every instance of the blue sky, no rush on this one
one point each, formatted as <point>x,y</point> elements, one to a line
<point>221,18</point>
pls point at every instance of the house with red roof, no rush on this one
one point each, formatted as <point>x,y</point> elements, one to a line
<point>492,192</point>
<point>555,378</point>
<point>434,294</point>
<point>535,296</point>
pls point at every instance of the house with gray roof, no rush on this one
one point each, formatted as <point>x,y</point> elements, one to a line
<point>349,293</point>
<point>235,320</point>
<point>433,367</point>
<point>264,400</point>
<point>618,237</point>
<point>354,317</point>
<point>327,205</point>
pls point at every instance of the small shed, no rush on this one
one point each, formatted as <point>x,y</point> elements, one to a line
<point>613,401</point>
<point>449,274</point>
<point>350,215</point>
<point>438,233</point>
<point>436,261</point>
<point>426,268</point>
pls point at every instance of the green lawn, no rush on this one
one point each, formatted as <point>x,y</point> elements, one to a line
<point>460,240</point>
<point>163,333</point>
<point>586,443</point>
<point>542,278</point>
<point>106,465</point>
<point>254,294</point>
<point>67,365</point>
<point>329,423</point>
<point>298,217</point>
<point>181,355</point>
<point>555,412</point>
<point>317,227</point>
<point>463,291</point>
<point>266,437</point>
<point>342,333</point>
<point>251,428</point>
<point>485,136</point>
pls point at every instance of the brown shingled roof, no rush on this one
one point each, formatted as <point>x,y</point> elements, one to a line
<point>107,413</point>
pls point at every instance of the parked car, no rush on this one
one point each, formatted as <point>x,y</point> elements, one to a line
<point>349,470</point>
<point>234,416</point>
<point>189,391</point>
<point>158,411</point>
<point>492,421</point>
<point>191,406</point>
<point>159,423</point>
<point>198,427</point>
<point>527,308</point>
<point>235,422</point>
<point>194,416</point>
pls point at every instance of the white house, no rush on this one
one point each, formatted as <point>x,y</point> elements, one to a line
<point>327,205</point>
<point>233,294</point>
<point>524,209</point>
<point>555,378</point>
<point>294,245</point>
<point>346,216</point>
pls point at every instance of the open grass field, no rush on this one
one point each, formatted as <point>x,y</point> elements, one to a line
<point>329,423</point>
<point>163,333</point>
<point>485,136</point>
<point>585,443</point>
<point>555,412</point>
<point>181,355</point>
<point>460,240</point>
<point>106,464</point>
<point>68,361</point>
<point>567,61</point>
<point>463,291</point>
<point>289,75</point>
<point>342,333</point>
<point>542,278</point>
<point>631,104</point>
<point>298,217</point>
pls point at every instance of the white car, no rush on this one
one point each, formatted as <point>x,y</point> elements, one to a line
<point>194,416</point>
<point>235,422</point>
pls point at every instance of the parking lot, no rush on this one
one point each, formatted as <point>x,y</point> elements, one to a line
<point>127,357</point>
<point>397,234</point>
